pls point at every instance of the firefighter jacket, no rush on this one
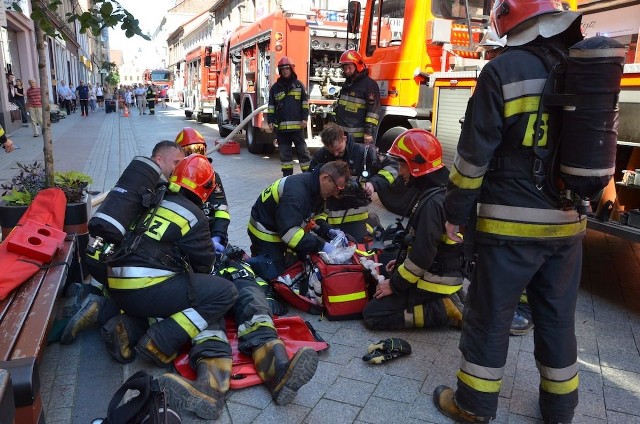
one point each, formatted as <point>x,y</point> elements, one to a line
<point>177,240</point>
<point>434,262</point>
<point>495,161</point>
<point>358,107</point>
<point>285,208</point>
<point>151,93</point>
<point>288,104</point>
<point>360,158</point>
<point>216,208</point>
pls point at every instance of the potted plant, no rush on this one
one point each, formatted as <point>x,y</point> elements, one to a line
<point>20,191</point>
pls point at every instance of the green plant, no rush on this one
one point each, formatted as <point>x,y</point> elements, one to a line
<point>31,179</point>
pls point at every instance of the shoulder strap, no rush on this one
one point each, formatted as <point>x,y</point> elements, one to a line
<point>419,203</point>
<point>140,381</point>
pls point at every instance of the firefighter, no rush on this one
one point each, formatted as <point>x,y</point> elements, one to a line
<point>216,207</point>
<point>349,212</point>
<point>525,237</point>
<point>288,112</point>
<point>167,274</point>
<point>358,107</point>
<point>425,289</point>
<point>282,216</point>
<point>151,99</point>
<point>257,338</point>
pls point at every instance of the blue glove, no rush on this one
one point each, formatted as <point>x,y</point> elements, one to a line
<point>219,247</point>
<point>328,248</point>
<point>333,233</point>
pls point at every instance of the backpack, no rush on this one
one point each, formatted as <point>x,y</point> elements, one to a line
<point>150,406</point>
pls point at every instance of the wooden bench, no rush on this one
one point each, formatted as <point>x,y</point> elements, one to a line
<point>25,321</point>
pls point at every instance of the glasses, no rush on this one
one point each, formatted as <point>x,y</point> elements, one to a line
<point>339,187</point>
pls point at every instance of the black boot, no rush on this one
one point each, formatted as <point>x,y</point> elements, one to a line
<point>120,334</point>
<point>86,317</point>
<point>522,322</point>
<point>147,348</point>
<point>444,400</point>
<point>284,377</point>
<point>205,396</point>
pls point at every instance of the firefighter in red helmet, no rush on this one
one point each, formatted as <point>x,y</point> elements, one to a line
<point>167,275</point>
<point>358,107</point>
<point>216,206</point>
<point>424,289</point>
<point>287,114</point>
<point>525,237</point>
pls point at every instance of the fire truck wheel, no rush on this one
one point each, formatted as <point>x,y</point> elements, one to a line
<point>253,144</point>
<point>221,130</point>
<point>397,197</point>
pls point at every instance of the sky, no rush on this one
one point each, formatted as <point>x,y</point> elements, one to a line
<point>149,13</point>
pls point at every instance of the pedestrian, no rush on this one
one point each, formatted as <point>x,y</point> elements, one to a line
<point>282,214</point>
<point>525,237</point>
<point>5,142</point>
<point>34,102</point>
<point>83,96</point>
<point>141,101</point>
<point>64,96</point>
<point>100,96</point>
<point>73,98</point>
<point>357,110</point>
<point>425,285</point>
<point>287,113</point>
<point>92,97</point>
<point>168,275</point>
<point>19,100</point>
<point>369,174</point>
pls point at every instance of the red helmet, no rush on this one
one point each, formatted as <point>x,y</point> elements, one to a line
<point>195,173</point>
<point>285,61</point>
<point>508,14</point>
<point>419,149</point>
<point>352,56</point>
<point>191,141</point>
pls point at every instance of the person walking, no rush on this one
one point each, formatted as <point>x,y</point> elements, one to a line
<point>83,95</point>
<point>92,97</point>
<point>525,237</point>
<point>141,101</point>
<point>19,100</point>
<point>357,110</point>
<point>100,96</point>
<point>64,96</point>
<point>34,102</point>
<point>287,113</point>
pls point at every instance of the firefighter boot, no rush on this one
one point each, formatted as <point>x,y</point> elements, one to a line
<point>454,306</point>
<point>522,322</point>
<point>147,348</point>
<point>204,396</point>
<point>284,377</point>
<point>85,318</point>
<point>444,400</point>
<point>121,334</point>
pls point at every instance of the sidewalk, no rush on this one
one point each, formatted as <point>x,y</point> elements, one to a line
<point>78,380</point>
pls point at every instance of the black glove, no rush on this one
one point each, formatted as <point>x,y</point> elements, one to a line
<point>386,350</point>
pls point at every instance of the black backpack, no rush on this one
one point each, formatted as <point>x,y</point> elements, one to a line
<point>150,406</point>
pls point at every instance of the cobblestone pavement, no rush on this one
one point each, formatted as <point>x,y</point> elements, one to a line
<point>78,380</point>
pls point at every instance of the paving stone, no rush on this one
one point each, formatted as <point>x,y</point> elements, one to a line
<point>619,400</point>
<point>591,405</point>
<point>398,389</point>
<point>526,380</point>
<point>620,418</point>
<point>383,411</point>
<point>341,354</point>
<point>353,392</point>
<point>310,394</point>
<point>331,412</point>
<point>360,370</point>
<point>524,403</point>
<point>241,413</point>
<point>256,396</point>
<point>590,382</point>
<point>621,379</point>
<point>288,414</point>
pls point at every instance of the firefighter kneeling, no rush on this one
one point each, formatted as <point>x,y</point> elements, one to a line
<point>425,288</point>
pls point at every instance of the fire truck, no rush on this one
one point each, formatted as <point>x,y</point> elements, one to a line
<point>158,77</point>
<point>249,67</point>
<point>201,83</point>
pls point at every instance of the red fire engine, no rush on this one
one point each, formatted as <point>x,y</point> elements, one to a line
<point>201,83</point>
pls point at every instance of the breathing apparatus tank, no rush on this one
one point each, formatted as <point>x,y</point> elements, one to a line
<point>590,115</point>
<point>132,195</point>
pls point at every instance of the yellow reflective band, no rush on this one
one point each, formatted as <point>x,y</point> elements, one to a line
<point>295,239</point>
<point>96,254</point>
<point>438,288</point>
<point>387,176</point>
<point>134,283</point>
<point>418,316</point>
<point>186,324</point>
<point>527,140</point>
<point>348,218</point>
<point>519,229</point>
<point>446,240</point>
<point>222,215</point>
<point>256,326</point>
<point>264,236</point>
<point>259,281</point>
<point>463,182</point>
<point>407,275</point>
<point>560,387</point>
<point>347,297</point>
<point>173,217</point>
<point>522,105</point>
<point>479,384</point>
<point>524,298</point>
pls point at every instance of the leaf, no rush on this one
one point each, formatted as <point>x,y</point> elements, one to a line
<point>106,9</point>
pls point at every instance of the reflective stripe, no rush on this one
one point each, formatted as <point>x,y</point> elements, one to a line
<point>587,172</point>
<point>137,272</point>
<point>523,105</point>
<point>590,53</point>
<point>463,182</point>
<point>560,387</point>
<point>486,373</point>
<point>522,88</point>
<point>522,214</point>
<point>177,215</point>
<point>210,335</point>
<point>418,316</point>
<point>263,234</point>
<point>354,131</point>
<point>293,236</point>
<point>447,285</point>
<point>514,229</point>
<point>388,173</point>
<point>274,190</point>
<point>347,297</point>
<point>406,274</point>
<point>254,323</point>
<point>558,374</point>
<point>286,165</point>
<point>221,207</point>
<point>111,221</point>
<point>222,215</point>
<point>467,169</point>
<point>479,384</point>
<point>350,215</point>
<point>134,283</point>
<point>354,102</point>
<point>190,321</point>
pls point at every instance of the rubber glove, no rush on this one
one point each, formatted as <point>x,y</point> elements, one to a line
<point>216,244</point>
<point>328,248</point>
<point>333,233</point>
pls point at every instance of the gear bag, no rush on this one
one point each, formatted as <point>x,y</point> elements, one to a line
<point>150,406</point>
